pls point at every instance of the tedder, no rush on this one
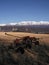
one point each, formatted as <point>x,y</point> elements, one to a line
<point>21,43</point>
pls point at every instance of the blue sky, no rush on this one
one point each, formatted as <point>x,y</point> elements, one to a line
<point>23,10</point>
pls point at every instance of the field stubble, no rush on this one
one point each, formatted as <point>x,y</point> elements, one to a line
<point>37,55</point>
<point>43,38</point>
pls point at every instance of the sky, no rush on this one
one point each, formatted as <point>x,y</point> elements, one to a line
<point>23,10</point>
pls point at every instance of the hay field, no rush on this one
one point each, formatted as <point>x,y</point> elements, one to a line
<point>37,55</point>
<point>44,38</point>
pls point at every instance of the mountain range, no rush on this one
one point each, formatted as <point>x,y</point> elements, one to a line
<point>28,23</point>
<point>26,26</point>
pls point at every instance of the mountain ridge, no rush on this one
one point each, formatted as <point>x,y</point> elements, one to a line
<point>27,23</point>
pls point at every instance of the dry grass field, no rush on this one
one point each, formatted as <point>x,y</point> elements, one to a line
<point>43,38</point>
<point>37,55</point>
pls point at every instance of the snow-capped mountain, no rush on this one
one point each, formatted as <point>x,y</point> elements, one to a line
<point>28,23</point>
<point>26,26</point>
<point>31,23</point>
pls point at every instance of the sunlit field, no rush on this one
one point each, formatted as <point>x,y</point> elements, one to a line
<point>36,55</point>
<point>43,38</point>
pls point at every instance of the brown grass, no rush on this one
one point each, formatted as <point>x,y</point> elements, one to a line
<point>44,38</point>
<point>37,55</point>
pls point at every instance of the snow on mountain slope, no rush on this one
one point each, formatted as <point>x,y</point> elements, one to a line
<point>28,23</point>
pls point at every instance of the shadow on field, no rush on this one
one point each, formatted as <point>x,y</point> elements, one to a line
<point>37,55</point>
